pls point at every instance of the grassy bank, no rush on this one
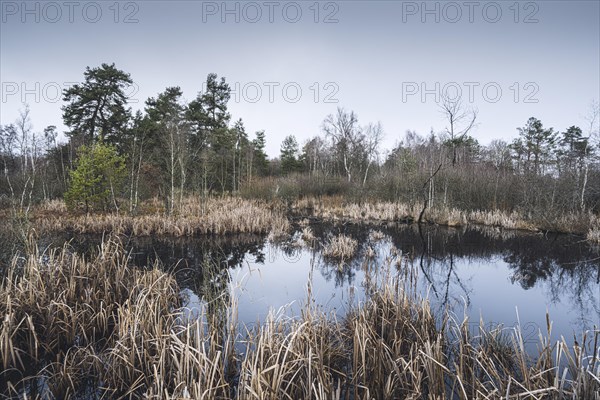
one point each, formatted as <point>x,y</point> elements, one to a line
<point>73,324</point>
<point>337,209</point>
<point>228,215</point>
<point>219,216</point>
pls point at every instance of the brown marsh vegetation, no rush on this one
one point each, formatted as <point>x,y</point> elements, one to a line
<point>340,248</point>
<point>226,215</point>
<point>98,325</point>
<point>195,217</point>
<point>338,209</point>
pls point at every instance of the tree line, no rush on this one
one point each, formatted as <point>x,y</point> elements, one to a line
<point>115,158</point>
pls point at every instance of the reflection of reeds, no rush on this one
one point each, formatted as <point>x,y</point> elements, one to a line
<point>495,233</point>
<point>97,324</point>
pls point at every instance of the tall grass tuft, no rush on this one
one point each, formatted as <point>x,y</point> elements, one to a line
<point>341,248</point>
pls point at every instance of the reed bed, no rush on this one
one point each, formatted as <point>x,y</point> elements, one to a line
<point>337,209</point>
<point>340,247</point>
<point>227,215</point>
<point>217,216</point>
<point>98,325</point>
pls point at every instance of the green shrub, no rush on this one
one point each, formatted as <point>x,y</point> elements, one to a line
<point>98,176</point>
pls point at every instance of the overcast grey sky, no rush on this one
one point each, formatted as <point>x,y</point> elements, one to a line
<point>292,63</point>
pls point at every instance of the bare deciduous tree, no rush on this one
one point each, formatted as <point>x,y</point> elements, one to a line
<point>594,137</point>
<point>373,135</point>
<point>460,120</point>
<point>344,132</point>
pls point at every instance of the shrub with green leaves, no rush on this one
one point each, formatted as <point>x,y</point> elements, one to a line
<point>98,177</point>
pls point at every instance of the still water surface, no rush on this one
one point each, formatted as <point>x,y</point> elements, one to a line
<point>499,277</point>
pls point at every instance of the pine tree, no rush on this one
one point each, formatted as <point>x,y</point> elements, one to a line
<point>98,105</point>
<point>289,155</point>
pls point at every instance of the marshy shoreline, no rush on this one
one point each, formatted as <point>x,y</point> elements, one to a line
<point>98,327</point>
<point>232,215</point>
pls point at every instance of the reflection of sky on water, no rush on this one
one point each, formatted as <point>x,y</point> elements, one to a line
<point>283,283</point>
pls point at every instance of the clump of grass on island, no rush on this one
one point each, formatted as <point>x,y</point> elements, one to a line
<point>307,235</point>
<point>376,235</point>
<point>340,248</point>
<point>74,325</point>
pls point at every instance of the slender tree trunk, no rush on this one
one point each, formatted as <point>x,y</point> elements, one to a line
<point>584,185</point>
<point>250,164</point>
<point>114,198</point>
<point>233,180</point>
<point>496,189</point>
<point>347,168</point>
<point>132,178</point>
<point>427,198</point>
<point>172,144</point>
<point>182,178</point>
<point>446,191</point>
<point>366,174</point>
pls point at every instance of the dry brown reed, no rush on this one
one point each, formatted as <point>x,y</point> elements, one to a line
<point>376,235</point>
<point>338,209</point>
<point>223,215</point>
<point>216,216</point>
<point>341,248</point>
<point>98,323</point>
<point>307,235</point>
<point>593,235</point>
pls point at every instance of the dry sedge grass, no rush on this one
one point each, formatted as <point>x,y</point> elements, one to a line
<point>376,236</point>
<point>213,216</point>
<point>99,325</point>
<point>337,209</point>
<point>340,248</point>
<point>307,235</point>
<point>236,215</point>
<point>593,235</point>
<point>76,323</point>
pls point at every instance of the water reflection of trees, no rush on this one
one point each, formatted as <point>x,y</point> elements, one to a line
<point>567,267</point>
<point>200,264</point>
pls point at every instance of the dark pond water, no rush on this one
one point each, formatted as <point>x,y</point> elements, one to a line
<point>501,277</point>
